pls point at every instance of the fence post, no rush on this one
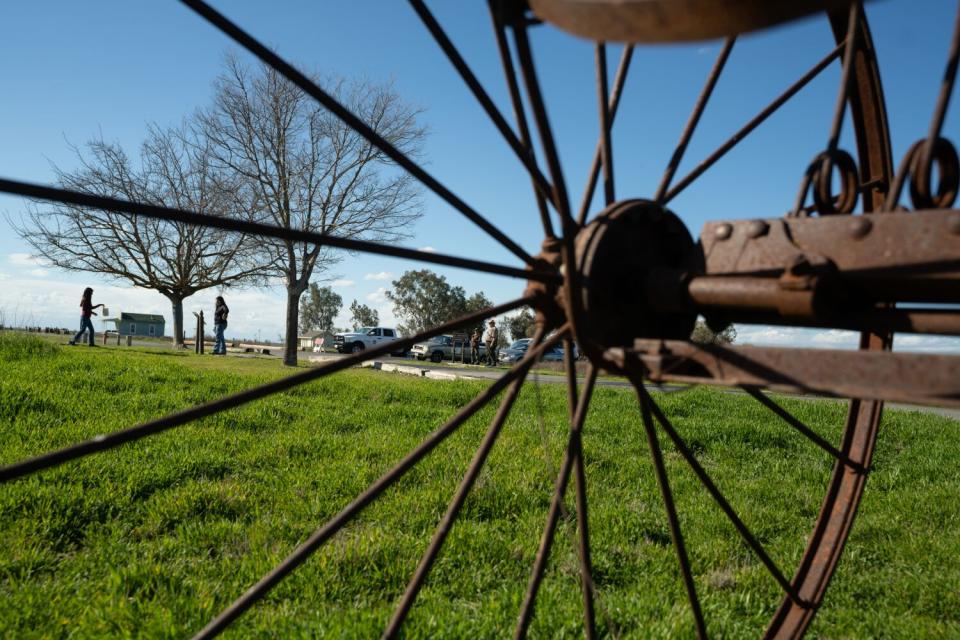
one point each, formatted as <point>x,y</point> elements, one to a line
<point>200,333</point>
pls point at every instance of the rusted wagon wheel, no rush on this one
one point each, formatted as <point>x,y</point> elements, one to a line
<point>810,268</point>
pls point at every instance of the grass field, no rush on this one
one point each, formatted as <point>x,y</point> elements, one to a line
<point>154,538</point>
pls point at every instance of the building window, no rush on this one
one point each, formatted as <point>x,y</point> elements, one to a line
<point>133,328</point>
<point>153,330</point>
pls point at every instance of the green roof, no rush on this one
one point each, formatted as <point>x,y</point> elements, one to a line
<point>141,317</point>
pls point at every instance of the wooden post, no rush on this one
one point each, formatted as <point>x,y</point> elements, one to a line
<point>200,333</point>
<point>199,336</point>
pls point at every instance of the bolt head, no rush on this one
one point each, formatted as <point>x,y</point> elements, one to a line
<point>757,228</point>
<point>953,223</point>
<point>723,231</point>
<point>859,227</point>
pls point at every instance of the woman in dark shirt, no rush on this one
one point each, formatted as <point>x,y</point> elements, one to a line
<point>86,311</point>
<point>219,326</point>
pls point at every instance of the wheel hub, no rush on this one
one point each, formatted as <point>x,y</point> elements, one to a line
<point>610,302</point>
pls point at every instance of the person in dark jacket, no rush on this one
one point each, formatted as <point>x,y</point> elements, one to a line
<point>219,326</point>
<point>86,311</point>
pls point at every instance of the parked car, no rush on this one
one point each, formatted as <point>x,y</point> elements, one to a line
<point>442,347</point>
<point>518,349</point>
<point>365,338</point>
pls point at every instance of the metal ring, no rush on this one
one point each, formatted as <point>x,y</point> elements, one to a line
<point>944,154</point>
<point>823,165</point>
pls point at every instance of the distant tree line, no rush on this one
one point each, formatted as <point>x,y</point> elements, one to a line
<point>421,299</point>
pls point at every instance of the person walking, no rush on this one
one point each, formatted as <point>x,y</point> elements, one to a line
<point>86,311</point>
<point>491,341</point>
<point>219,326</point>
<point>475,346</point>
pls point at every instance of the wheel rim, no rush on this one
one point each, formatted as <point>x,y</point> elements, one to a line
<point>863,419</point>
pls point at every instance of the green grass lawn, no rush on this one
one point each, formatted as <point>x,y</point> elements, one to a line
<point>156,537</point>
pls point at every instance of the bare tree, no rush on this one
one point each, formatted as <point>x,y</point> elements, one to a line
<point>306,170</point>
<point>172,258</point>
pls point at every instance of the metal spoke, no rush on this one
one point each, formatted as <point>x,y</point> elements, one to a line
<point>752,124</point>
<point>813,436</point>
<point>549,530</point>
<point>927,146</point>
<point>580,483</point>
<point>614,102</point>
<point>718,497</point>
<point>332,526</point>
<point>109,441</point>
<point>310,88</point>
<point>551,473</point>
<point>456,503</point>
<point>80,199</point>
<point>946,90</point>
<point>846,74</point>
<point>675,532</point>
<point>520,148</point>
<point>606,144</point>
<point>511,75</point>
<point>529,72</point>
<point>695,117</point>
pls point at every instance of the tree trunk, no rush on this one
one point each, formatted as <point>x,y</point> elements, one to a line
<point>290,340</point>
<point>176,303</point>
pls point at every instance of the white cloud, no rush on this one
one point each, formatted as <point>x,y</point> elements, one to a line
<point>927,344</point>
<point>383,275</point>
<point>25,260</point>
<point>342,284</point>
<point>378,296</point>
<point>768,336</point>
<point>4,276</point>
<point>836,338</point>
<point>428,249</point>
<point>39,273</point>
<point>385,314</point>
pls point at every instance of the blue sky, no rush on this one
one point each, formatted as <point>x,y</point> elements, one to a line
<point>73,71</point>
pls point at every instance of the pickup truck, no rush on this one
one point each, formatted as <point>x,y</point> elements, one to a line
<point>365,338</point>
<point>442,347</point>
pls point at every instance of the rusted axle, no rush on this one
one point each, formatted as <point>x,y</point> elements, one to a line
<point>833,272</point>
